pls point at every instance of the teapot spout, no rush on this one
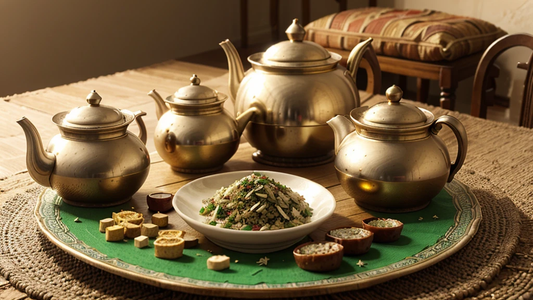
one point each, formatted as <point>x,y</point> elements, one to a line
<point>243,119</point>
<point>342,126</point>
<point>160,106</point>
<point>236,70</point>
<point>39,162</point>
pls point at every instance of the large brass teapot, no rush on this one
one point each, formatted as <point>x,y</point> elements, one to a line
<point>389,157</point>
<point>195,134</point>
<point>94,161</point>
<point>296,86</point>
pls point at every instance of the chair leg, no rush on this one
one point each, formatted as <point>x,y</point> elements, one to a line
<point>274,19</point>
<point>402,82</point>
<point>244,23</point>
<point>447,97</point>
<point>422,86</point>
<point>306,12</point>
<point>448,84</point>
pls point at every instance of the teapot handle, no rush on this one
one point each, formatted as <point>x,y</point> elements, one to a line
<point>142,128</point>
<point>462,142</point>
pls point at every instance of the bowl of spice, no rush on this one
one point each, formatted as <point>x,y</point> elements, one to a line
<point>385,229</point>
<point>354,240</point>
<point>319,256</point>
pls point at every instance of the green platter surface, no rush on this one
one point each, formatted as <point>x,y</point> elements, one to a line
<point>429,235</point>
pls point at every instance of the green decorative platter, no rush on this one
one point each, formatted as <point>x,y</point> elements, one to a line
<point>245,278</point>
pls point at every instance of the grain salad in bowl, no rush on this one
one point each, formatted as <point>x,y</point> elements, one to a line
<point>256,202</point>
<point>248,207</point>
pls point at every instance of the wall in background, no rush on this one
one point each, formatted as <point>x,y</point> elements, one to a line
<point>48,43</point>
<point>54,42</point>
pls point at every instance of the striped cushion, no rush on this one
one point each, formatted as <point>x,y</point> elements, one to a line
<point>424,35</point>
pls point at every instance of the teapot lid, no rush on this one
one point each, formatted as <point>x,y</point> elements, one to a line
<point>195,94</point>
<point>295,53</point>
<point>94,114</point>
<point>393,113</point>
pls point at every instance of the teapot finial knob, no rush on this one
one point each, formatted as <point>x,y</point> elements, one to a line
<point>295,32</point>
<point>195,80</point>
<point>93,98</point>
<point>394,94</point>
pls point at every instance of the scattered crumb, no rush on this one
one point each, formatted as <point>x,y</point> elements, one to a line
<point>435,217</point>
<point>236,261</point>
<point>420,219</point>
<point>257,272</point>
<point>132,208</point>
<point>77,220</point>
<point>361,264</point>
<point>263,261</point>
<point>209,250</point>
<point>198,254</point>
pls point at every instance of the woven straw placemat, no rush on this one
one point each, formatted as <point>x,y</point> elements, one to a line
<point>40,269</point>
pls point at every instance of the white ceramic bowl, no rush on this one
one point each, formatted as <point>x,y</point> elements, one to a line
<point>188,201</point>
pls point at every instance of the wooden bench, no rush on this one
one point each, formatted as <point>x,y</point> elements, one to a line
<point>447,73</point>
<point>425,44</point>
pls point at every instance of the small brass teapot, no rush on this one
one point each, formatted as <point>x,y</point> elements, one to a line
<point>196,134</point>
<point>389,157</point>
<point>94,161</point>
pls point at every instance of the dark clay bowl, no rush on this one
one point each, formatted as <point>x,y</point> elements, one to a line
<point>318,262</point>
<point>384,234</point>
<point>354,246</point>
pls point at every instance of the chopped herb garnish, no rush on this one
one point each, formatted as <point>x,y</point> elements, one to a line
<point>258,200</point>
<point>221,213</point>
<point>228,225</point>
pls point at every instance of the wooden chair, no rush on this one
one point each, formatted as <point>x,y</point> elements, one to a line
<point>482,78</point>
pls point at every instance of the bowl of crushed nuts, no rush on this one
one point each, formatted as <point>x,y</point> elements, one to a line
<point>355,240</point>
<point>385,229</point>
<point>254,211</point>
<point>319,256</point>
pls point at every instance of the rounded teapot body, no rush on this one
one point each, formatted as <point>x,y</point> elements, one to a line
<point>103,172</point>
<point>293,110</point>
<point>393,175</point>
<point>196,143</point>
<point>296,86</point>
<point>389,157</point>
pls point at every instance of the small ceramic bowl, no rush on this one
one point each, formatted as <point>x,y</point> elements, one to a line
<point>384,234</point>
<point>161,202</point>
<point>354,240</point>
<point>308,259</point>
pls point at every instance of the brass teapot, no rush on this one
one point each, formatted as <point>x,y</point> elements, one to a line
<point>296,86</point>
<point>389,157</point>
<point>94,161</point>
<point>195,134</point>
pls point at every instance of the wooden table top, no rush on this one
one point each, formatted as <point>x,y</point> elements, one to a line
<point>128,90</point>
